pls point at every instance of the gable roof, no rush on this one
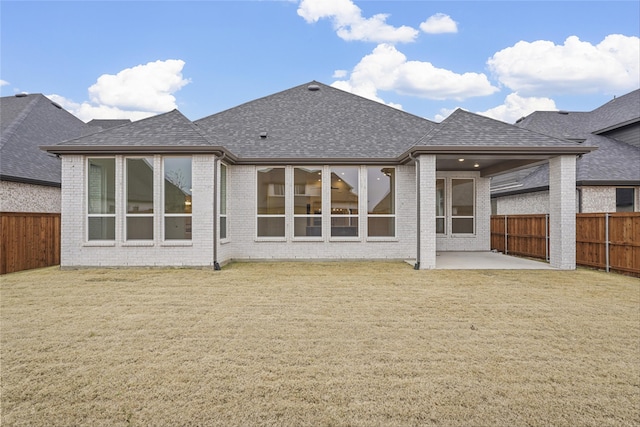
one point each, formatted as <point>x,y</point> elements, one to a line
<point>167,132</point>
<point>108,123</point>
<point>27,122</point>
<point>314,123</point>
<point>314,120</point>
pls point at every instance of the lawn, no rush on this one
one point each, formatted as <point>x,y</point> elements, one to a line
<point>319,344</point>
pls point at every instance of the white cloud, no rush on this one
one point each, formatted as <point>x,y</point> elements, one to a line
<point>443,114</point>
<point>339,74</point>
<point>541,67</point>
<point>133,93</point>
<point>351,25</point>
<point>516,106</point>
<point>387,69</point>
<point>438,24</point>
<point>3,83</point>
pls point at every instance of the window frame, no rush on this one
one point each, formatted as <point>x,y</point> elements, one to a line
<point>357,216</point>
<point>442,217</point>
<point>223,200</point>
<point>316,219</point>
<point>86,202</point>
<point>164,213</point>
<point>474,207</point>
<point>127,214</point>
<point>633,200</point>
<point>370,215</point>
<point>283,215</point>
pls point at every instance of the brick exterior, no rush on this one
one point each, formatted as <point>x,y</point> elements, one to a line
<point>20,197</point>
<point>241,242</point>
<point>562,212</point>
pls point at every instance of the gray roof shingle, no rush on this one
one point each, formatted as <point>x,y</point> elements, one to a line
<point>28,122</point>
<point>321,123</point>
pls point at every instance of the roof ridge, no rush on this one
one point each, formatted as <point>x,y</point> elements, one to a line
<point>11,129</point>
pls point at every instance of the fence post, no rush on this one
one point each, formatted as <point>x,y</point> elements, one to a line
<point>546,237</point>
<point>506,239</point>
<point>606,239</point>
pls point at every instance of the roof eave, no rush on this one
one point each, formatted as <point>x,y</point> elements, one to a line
<point>502,151</point>
<point>132,149</point>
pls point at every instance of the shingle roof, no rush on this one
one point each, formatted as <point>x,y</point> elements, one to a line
<point>170,129</point>
<point>108,123</point>
<point>613,162</point>
<point>469,129</point>
<point>27,122</point>
<point>323,123</point>
<point>313,123</point>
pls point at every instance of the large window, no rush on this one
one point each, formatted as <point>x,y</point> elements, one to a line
<point>307,202</point>
<point>177,198</point>
<point>624,199</point>
<point>344,201</point>
<point>440,204</point>
<point>139,198</point>
<point>381,202</point>
<point>271,202</point>
<point>101,199</point>
<point>462,206</point>
<point>223,201</point>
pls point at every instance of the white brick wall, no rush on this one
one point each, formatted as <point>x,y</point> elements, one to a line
<point>20,197</point>
<point>244,245</point>
<point>77,252</point>
<point>562,212</point>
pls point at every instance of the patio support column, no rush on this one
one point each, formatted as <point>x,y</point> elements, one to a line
<point>427,211</point>
<point>562,212</point>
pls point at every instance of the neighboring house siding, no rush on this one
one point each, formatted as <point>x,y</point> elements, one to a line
<point>21,197</point>
<point>77,252</point>
<point>526,203</point>
<point>628,134</point>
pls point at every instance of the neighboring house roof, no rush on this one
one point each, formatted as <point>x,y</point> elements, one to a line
<point>614,162</point>
<point>316,123</point>
<point>108,123</point>
<point>28,122</point>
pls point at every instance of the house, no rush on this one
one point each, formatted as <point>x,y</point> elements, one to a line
<point>30,177</point>
<point>311,172</point>
<point>607,179</point>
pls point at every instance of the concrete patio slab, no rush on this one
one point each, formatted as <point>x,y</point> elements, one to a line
<point>485,261</point>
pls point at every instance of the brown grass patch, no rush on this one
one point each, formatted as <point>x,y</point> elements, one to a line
<point>322,344</point>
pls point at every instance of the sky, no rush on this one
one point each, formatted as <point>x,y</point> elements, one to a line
<point>502,59</point>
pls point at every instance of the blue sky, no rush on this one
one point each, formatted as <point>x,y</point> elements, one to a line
<point>504,59</point>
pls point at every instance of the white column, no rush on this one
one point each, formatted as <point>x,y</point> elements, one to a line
<point>427,209</point>
<point>562,212</point>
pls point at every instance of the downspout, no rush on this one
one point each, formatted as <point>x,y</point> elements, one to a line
<point>216,265</point>
<point>417,162</point>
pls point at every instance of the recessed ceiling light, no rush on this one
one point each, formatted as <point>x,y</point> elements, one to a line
<point>461,160</point>
<point>476,165</point>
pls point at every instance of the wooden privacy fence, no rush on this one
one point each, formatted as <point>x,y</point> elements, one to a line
<point>28,240</point>
<point>610,241</point>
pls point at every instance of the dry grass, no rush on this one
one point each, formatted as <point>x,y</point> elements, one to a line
<point>334,344</point>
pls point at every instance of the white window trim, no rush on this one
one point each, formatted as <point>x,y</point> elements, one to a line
<point>394,215</point>
<point>127,215</point>
<point>257,238</point>
<point>450,205</point>
<point>292,213</point>
<point>174,242</point>
<point>85,203</point>
<point>362,203</point>
<point>226,239</point>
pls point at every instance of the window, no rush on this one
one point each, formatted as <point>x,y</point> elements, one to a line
<point>271,202</point>
<point>223,201</point>
<point>381,202</point>
<point>101,199</point>
<point>177,198</point>
<point>624,199</point>
<point>462,206</point>
<point>139,198</point>
<point>307,203</point>
<point>344,201</point>
<point>440,204</point>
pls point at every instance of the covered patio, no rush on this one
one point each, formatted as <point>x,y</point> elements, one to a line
<point>485,260</point>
